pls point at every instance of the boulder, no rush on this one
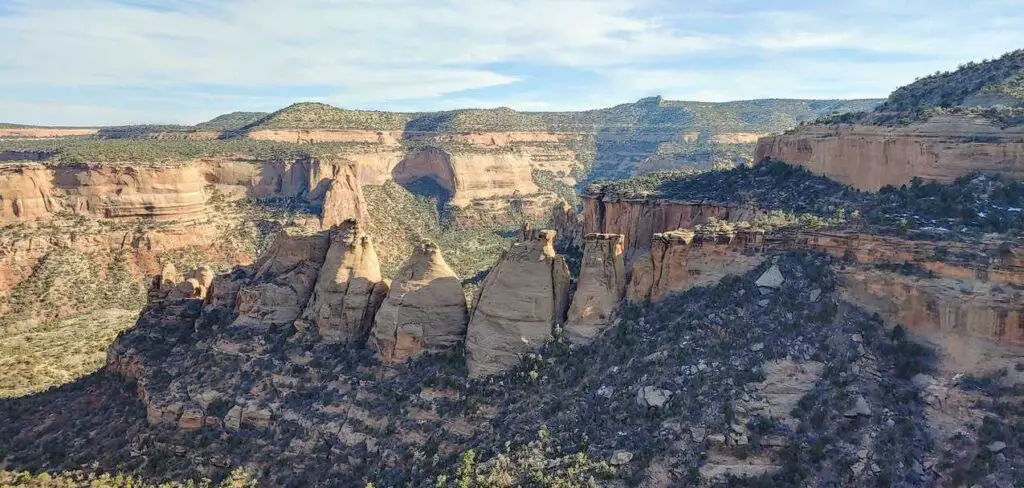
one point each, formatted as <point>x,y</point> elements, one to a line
<point>650,396</point>
<point>204,275</point>
<point>771,279</point>
<point>600,288</point>
<point>523,297</point>
<point>349,288</point>
<point>188,289</point>
<point>425,309</point>
<point>860,408</point>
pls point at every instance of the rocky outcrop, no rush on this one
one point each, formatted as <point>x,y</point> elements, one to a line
<point>425,309</point>
<point>523,297</point>
<point>283,281</point>
<point>601,285</point>
<point>568,224</point>
<point>640,220</point>
<point>682,259</point>
<point>869,157</point>
<point>349,288</point>
<point>343,201</point>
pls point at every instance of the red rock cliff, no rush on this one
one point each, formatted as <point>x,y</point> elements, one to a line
<point>869,157</point>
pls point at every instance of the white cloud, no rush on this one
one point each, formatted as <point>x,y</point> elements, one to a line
<point>199,56</point>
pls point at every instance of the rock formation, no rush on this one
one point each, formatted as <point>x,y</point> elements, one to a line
<point>968,295</point>
<point>640,220</point>
<point>523,297</point>
<point>568,224</point>
<point>343,201</point>
<point>425,309</point>
<point>283,281</point>
<point>682,259</point>
<point>349,288</point>
<point>869,157</point>
<point>601,285</point>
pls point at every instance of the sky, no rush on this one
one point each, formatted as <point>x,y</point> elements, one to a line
<point>106,62</point>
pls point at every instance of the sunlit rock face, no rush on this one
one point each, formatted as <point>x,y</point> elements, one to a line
<point>425,310</point>
<point>523,297</point>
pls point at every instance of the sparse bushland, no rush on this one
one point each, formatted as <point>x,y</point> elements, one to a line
<point>992,90</point>
<point>400,219</point>
<point>696,157</point>
<point>74,150</point>
<point>56,322</point>
<point>1001,76</point>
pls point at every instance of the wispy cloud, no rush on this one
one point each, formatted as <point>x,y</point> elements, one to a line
<point>150,60</point>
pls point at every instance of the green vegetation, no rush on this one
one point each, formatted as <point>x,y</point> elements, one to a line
<point>550,182</point>
<point>648,113</point>
<point>83,479</point>
<point>70,150</point>
<point>988,83</point>
<point>310,115</point>
<point>696,156</point>
<point>34,357</point>
<point>991,89</point>
<point>406,219</point>
<point>231,121</point>
<point>531,465</point>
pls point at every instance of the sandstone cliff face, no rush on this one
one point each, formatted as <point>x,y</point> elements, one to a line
<point>960,292</point>
<point>175,191</point>
<point>602,283</point>
<point>523,297</point>
<point>349,288</point>
<point>680,260</point>
<point>640,220</point>
<point>870,157</point>
<point>425,309</point>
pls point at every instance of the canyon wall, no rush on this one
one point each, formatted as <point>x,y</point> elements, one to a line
<point>869,157</point>
<point>952,292</point>
<point>35,192</point>
<point>639,220</point>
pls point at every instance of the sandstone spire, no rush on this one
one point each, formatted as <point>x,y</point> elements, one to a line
<point>521,300</point>
<point>349,288</point>
<point>343,200</point>
<point>601,285</point>
<point>425,308</point>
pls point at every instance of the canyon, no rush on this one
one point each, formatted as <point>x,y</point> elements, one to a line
<point>678,337</point>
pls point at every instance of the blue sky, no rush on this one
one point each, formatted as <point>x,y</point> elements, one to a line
<point>90,62</point>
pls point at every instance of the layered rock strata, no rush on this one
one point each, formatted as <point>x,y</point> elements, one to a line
<point>639,220</point>
<point>600,288</point>
<point>522,299</point>
<point>947,290</point>
<point>425,309</point>
<point>869,157</point>
<point>39,192</point>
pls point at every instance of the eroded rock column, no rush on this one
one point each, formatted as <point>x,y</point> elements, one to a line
<point>521,301</point>
<point>349,288</point>
<point>601,286</point>
<point>425,309</point>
